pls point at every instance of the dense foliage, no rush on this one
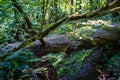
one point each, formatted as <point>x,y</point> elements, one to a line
<point>20,20</point>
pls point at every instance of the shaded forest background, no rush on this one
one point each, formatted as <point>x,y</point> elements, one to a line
<point>59,40</point>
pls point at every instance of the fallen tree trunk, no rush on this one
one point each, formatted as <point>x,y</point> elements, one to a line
<point>102,11</point>
<point>61,43</point>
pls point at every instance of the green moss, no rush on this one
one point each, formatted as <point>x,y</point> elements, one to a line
<point>71,65</point>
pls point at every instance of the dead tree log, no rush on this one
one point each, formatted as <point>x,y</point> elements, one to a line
<point>61,43</point>
<point>102,11</point>
<point>55,44</point>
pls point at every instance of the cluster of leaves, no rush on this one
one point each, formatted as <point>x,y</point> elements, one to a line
<point>91,5</point>
<point>13,65</point>
<point>11,20</point>
<point>5,21</point>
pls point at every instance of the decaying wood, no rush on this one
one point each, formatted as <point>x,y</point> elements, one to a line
<point>101,37</point>
<point>61,43</point>
<point>73,17</point>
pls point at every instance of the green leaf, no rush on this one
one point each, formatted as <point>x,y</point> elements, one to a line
<point>0,0</point>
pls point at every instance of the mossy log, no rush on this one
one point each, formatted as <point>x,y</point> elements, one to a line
<point>100,12</point>
<point>61,43</point>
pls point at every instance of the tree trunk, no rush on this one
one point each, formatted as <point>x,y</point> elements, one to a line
<point>61,43</point>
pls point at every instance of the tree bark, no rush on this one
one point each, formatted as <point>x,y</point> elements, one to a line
<point>61,43</point>
<point>52,27</point>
